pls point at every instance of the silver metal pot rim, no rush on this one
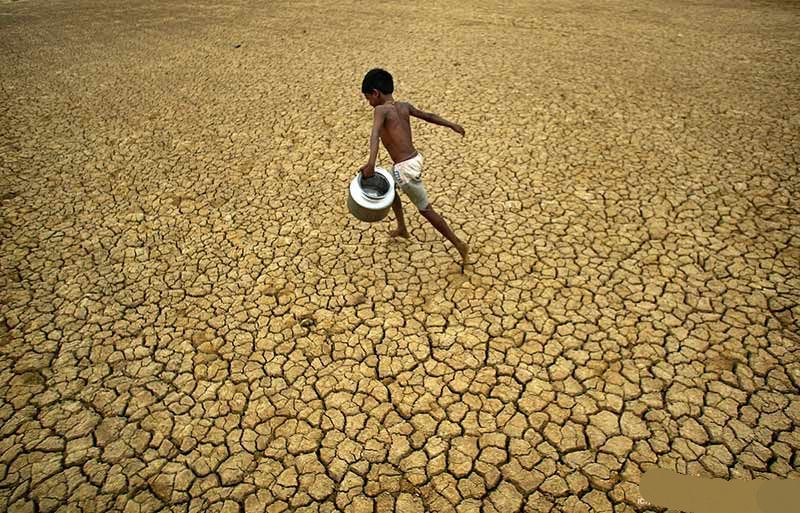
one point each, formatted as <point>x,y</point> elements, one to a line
<point>362,199</point>
<point>378,177</point>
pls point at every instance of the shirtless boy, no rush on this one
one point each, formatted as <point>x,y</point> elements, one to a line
<point>392,124</point>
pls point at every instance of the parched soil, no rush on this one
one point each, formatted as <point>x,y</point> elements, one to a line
<point>193,321</point>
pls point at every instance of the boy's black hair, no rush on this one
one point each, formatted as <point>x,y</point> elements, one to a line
<point>379,79</point>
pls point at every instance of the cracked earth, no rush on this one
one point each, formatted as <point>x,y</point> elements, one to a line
<point>192,321</point>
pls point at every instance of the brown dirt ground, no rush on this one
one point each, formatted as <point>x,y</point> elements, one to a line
<point>192,321</point>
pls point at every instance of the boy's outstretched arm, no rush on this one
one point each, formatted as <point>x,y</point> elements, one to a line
<point>369,169</point>
<point>435,119</point>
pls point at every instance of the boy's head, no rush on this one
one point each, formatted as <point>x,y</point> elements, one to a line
<point>376,82</point>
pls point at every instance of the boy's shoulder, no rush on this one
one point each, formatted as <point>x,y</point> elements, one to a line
<point>390,106</point>
<point>388,109</point>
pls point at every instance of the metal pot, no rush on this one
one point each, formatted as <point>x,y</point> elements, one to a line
<point>370,199</point>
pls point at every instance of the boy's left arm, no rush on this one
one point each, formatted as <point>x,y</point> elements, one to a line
<point>435,119</point>
<point>369,169</point>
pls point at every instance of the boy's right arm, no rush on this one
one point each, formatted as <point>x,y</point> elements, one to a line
<point>435,119</point>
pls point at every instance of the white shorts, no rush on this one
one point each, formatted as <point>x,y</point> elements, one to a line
<point>408,176</point>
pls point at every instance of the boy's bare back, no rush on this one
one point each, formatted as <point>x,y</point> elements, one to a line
<point>392,123</point>
<point>395,131</point>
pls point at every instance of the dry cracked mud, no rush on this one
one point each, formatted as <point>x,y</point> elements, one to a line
<point>192,321</point>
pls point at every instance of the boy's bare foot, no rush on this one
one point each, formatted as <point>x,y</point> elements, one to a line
<point>399,233</point>
<point>463,249</point>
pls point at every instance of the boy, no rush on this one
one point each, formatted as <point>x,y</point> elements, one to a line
<point>392,124</point>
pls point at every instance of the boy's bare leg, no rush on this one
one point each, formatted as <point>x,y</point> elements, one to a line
<point>440,224</point>
<point>401,230</point>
